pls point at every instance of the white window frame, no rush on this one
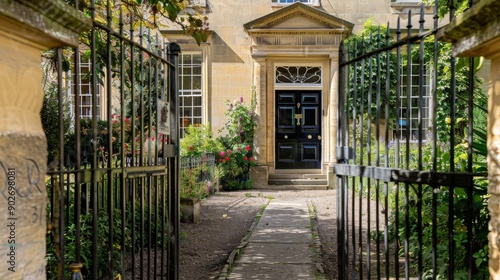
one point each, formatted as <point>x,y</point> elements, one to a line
<point>426,107</point>
<point>298,85</point>
<point>315,3</point>
<point>85,96</point>
<point>187,111</point>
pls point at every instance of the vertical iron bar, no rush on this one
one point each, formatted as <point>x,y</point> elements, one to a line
<point>150,143</point>
<point>452,156</point>
<point>141,99</point>
<point>421,82</point>
<point>78,195</point>
<point>470,139</point>
<point>354,160</point>
<point>340,185</point>
<point>434,143</point>
<point>133,137</point>
<point>369,157</point>
<point>377,159</point>
<point>94,165</point>
<point>110,181</point>
<point>386,158</point>
<point>59,215</point>
<point>407,158</point>
<point>397,140</point>
<point>123,163</point>
<point>174,199</point>
<point>361,160</point>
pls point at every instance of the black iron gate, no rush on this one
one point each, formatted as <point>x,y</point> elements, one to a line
<point>411,171</point>
<point>113,170</point>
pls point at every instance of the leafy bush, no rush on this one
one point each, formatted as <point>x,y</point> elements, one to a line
<point>103,256</point>
<point>237,137</point>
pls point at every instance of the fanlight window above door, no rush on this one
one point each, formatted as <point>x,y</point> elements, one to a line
<point>298,75</point>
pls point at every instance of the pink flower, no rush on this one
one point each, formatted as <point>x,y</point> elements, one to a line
<point>113,139</point>
<point>241,99</point>
<point>204,158</point>
<point>245,158</point>
<point>153,139</point>
<point>127,120</point>
<point>227,159</point>
<point>112,116</point>
<point>252,159</point>
<point>137,139</point>
<point>229,151</point>
<point>220,160</point>
<point>125,145</point>
<point>239,149</point>
<point>248,148</point>
<point>190,148</point>
<point>222,154</point>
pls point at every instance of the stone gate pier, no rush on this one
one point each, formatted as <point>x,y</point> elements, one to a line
<point>26,28</point>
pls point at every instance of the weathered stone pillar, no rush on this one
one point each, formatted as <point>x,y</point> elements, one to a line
<point>477,33</point>
<point>259,173</point>
<point>26,28</point>
<point>332,117</point>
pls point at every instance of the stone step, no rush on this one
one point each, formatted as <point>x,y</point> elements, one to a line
<point>291,187</point>
<point>297,176</point>
<point>292,181</point>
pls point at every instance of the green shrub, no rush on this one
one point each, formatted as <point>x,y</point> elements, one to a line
<point>237,154</point>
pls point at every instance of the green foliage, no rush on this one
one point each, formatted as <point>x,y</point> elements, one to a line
<point>103,256</point>
<point>198,141</point>
<point>50,119</point>
<point>372,37</point>
<point>458,6</point>
<point>237,137</point>
<point>195,181</point>
<point>466,207</point>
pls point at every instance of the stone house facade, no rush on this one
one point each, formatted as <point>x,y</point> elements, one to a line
<point>288,51</point>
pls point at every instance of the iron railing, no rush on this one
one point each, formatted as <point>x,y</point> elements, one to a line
<point>411,177</point>
<point>113,183</point>
<point>200,170</point>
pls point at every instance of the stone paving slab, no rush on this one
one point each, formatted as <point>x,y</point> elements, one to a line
<point>281,235</point>
<point>275,271</point>
<point>286,221</point>
<point>280,246</point>
<point>272,253</point>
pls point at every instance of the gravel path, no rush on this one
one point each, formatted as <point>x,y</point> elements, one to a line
<point>226,218</point>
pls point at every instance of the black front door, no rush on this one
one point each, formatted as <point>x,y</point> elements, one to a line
<point>298,129</point>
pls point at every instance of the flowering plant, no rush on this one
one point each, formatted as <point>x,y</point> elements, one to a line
<point>236,137</point>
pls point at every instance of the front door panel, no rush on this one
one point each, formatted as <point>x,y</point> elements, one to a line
<point>298,129</point>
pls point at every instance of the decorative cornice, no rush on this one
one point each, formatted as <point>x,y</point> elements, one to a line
<point>49,23</point>
<point>299,9</point>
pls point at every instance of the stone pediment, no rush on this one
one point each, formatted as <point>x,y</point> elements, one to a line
<point>301,18</point>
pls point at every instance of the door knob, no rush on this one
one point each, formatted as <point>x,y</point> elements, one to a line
<point>319,137</point>
<point>286,136</point>
<point>309,136</point>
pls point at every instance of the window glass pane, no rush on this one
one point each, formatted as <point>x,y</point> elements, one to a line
<point>197,101</point>
<point>197,70</point>
<point>186,82</point>
<point>196,82</point>
<point>298,75</point>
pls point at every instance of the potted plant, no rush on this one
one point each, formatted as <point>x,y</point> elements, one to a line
<point>193,189</point>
